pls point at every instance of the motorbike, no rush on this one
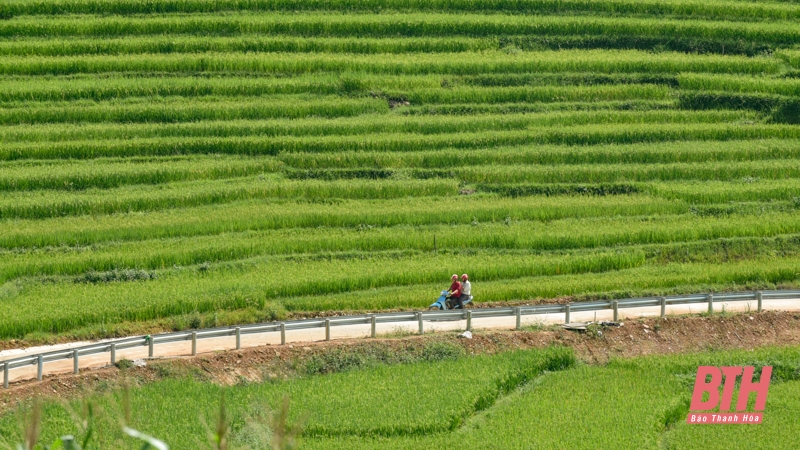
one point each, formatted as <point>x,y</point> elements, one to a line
<point>443,302</point>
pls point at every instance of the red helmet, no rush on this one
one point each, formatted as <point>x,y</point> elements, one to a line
<point>464,277</point>
<point>454,277</point>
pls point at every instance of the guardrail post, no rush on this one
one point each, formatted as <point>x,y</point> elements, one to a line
<point>566,314</point>
<point>283,333</point>
<point>374,327</point>
<point>39,367</point>
<point>663,307</point>
<point>518,313</point>
<point>238,338</point>
<point>615,306</point>
<point>113,352</point>
<point>469,320</point>
<point>710,303</point>
<point>759,295</point>
<point>419,319</point>
<point>5,375</point>
<point>327,329</point>
<point>75,362</point>
<point>150,346</point>
<point>194,343</point>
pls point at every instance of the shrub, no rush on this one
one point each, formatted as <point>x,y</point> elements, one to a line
<point>116,275</point>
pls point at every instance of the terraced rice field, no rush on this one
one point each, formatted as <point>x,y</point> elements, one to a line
<point>201,162</point>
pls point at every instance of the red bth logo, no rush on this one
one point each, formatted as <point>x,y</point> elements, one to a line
<point>708,381</point>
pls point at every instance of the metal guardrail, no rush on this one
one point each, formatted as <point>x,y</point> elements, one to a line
<point>150,341</point>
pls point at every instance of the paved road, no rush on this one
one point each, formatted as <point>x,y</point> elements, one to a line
<point>360,331</point>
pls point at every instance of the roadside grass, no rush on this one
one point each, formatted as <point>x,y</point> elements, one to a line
<point>439,397</point>
<point>354,399</point>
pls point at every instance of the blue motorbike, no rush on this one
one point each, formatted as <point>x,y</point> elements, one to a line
<point>443,302</point>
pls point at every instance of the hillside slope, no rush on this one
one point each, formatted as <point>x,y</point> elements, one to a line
<point>186,163</point>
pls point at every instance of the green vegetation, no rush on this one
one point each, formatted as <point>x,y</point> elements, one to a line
<point>421,381</point>
<point>167,158</point>
<point>616,61</point>
<point>649,396</point>
<point>438,397</point>
<point>705,9</point>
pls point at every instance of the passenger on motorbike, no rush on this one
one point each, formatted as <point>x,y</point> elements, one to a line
<point>466,290</point>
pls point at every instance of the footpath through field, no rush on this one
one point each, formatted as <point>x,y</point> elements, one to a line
<point>360,331</point>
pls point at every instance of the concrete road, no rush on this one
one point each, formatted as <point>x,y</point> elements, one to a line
<point>360,331</point>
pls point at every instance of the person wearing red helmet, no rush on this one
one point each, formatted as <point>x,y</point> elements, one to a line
<point>455,289</point>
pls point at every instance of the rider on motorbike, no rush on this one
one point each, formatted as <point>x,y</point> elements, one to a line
<point>455,290</point>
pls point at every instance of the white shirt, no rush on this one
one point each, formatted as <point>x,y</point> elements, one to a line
<point>466,288</point>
